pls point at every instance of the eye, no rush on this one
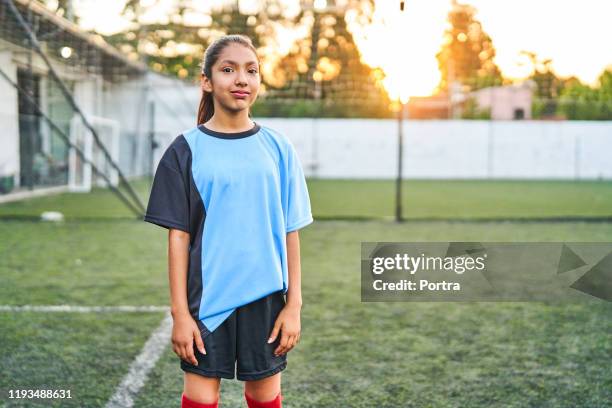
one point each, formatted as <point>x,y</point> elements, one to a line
<point>253,71</point>
<point>224,69</point>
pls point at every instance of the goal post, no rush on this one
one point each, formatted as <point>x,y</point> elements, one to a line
<point>81,176</point>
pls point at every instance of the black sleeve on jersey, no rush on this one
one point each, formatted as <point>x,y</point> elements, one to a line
<point>168,204</point>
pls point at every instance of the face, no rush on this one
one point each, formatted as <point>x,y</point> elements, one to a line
<point>235,78</point>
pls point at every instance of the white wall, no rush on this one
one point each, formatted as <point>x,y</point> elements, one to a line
<point>130,102</point>
<point>345,148</point>
<point>9,119</point>
<point>367,148</point>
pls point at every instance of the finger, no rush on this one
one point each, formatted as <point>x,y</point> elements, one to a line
<point>181,351</point>
<point>293,342</point>
<point>290,344</point>
<point>279,348</point>
<point>190,355</point>
<point>283,344</point>
<point>199,342</point>
<point>274,333</point>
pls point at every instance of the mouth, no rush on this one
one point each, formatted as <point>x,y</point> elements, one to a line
<point>240,94</point>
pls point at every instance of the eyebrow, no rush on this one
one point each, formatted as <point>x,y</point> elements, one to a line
<point>235,63</point>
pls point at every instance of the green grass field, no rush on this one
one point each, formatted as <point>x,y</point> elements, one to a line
<point>374,199</point>
<point>351,354</point>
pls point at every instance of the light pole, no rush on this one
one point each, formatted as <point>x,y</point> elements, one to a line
<point>400,137</point>
<point>400,149</point>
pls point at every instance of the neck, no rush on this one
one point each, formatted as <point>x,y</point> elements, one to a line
<point>223,121</point>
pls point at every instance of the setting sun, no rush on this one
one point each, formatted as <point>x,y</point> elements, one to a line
<point>403,45</point>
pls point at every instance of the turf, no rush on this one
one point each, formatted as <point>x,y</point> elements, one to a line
<point>352,354</point>
<point>462,199</point>
<point>375,199</point>
<point>355,354</point>
<point>85,353</point>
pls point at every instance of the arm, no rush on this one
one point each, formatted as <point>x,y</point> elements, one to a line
<point>294,292</point>
<point>185,328</point>
<point>288,320</point>
<point>178,253</point>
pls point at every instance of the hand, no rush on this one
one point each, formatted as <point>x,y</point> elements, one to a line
<point>184,331</point>
<point>288,322</point>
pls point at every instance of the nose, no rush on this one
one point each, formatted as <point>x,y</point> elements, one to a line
<point>241,79</point>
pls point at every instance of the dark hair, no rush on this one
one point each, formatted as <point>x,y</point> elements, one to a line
<point>207,108</point>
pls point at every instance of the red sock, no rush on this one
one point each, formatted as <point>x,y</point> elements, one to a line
<point>275,403</point>
<point>187,403</point>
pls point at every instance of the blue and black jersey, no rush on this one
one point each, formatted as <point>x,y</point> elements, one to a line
<point>238,195</point>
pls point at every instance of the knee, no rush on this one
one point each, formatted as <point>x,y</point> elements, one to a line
<point>257,402</point>
<point>266,389</point>
<point>202,390</point>
<point>187,402</point>
<point>206,397</point>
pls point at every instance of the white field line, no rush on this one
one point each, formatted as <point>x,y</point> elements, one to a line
<point>141,366</point>
<point>81,309</point>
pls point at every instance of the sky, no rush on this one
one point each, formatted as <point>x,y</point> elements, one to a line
<point>574,34</point>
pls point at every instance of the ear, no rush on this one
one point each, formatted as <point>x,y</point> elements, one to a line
<point>205,84</point>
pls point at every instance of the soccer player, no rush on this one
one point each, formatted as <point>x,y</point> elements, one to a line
<point>233,196</point>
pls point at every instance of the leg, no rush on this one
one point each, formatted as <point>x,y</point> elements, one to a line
<point>257,365</point>
<point>201,389</point>
<point>265,389</point>
<point>202,383</point>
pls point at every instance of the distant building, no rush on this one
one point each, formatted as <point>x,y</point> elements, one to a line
<point>429,107</point>
<point>116,94</point>
<point>511,102</point>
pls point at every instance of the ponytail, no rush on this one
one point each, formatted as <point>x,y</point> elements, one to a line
<point>206,109</point>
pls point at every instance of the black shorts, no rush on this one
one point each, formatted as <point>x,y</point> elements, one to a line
<point>241,343</point>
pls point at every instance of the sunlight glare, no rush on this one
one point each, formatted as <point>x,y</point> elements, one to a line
<point>402,44</point>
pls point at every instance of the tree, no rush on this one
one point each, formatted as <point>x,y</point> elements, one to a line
<point>471,110</point>
<point>568,97</point>
<point>581,102</point>
<point>319,73</point>
<point>62,8</point>
<point>168,44</point>
<point>323,75</point>
<point>468,52</point>
<point>549,85</point>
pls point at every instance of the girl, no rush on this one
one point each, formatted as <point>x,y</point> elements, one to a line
<point>233,196</point>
